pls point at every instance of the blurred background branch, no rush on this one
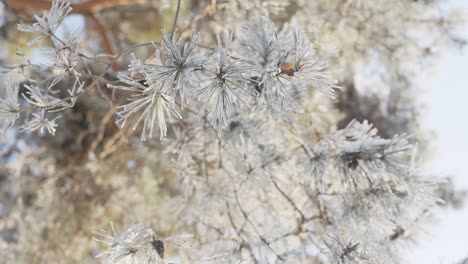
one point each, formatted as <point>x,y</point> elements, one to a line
<point>25,7</point>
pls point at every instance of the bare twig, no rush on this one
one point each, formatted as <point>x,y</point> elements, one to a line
<point>175,18</point>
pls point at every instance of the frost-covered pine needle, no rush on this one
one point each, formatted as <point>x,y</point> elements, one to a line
<point>43,99</point>
<point>177,69</point>
<point>122,248</point>
<point>285,63</point>
<point>224,86</point>
<point>137,244</point>
<point>39,122</point>
<point>50,20</point>
<point>9,106</point>
<point>65,54</point>
<point>155,107</point>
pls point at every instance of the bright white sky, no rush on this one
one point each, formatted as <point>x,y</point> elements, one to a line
<point>447,115</point>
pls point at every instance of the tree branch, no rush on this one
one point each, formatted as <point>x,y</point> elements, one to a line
<point>89,7</point>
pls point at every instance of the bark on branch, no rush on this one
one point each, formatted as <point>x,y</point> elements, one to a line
<point>91,6</point>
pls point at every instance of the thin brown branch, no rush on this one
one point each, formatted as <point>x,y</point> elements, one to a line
<point>246,217</point>
<point>89,7</point>
<point>104,37</point>
<point>175,19</point>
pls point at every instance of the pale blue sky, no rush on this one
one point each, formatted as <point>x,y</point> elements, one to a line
<point>447,115</point>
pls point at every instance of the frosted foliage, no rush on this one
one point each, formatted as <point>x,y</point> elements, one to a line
<point>48,23</point>
<point>137,244</point>
<point>154,103</point>
<point>39,122</point>
<point>9,106</point>
<point>257,132</point>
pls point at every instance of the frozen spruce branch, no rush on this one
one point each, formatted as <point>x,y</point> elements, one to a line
<point>9,106</point>
<point>137,244</point>
<point>50,20</point>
